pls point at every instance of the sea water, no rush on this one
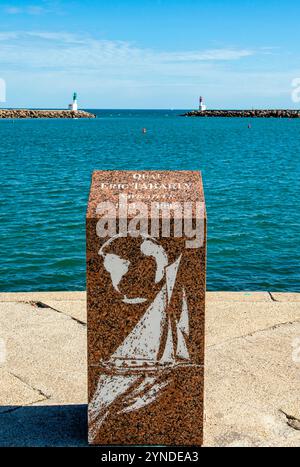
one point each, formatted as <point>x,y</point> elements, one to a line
<point>250,175</point>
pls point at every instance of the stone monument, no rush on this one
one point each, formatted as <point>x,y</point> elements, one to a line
<point>146,255</point>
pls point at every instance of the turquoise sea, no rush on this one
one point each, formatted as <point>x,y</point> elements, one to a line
<point>251,179</point>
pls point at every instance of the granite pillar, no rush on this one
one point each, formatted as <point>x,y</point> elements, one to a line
<point>146,255</point>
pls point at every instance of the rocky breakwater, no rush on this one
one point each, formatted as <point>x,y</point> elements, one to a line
<point>254,113</point>
<point>30,113</point>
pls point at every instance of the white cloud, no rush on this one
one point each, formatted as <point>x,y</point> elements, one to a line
<point>4,36</point>
<point>26,10</point>
<point>208,55</point>
<point>13,10</point>
<point>35,10</point>
<point>63,37</point>
<point>66,51</point>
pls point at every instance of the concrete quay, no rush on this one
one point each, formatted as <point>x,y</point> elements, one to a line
<point>252,375</point>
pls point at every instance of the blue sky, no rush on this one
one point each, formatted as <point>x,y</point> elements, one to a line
<point>150,54</point>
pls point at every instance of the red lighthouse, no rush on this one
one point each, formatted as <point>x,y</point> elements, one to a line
<point>202,106</point>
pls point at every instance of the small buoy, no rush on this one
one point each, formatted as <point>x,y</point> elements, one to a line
<point>144,130</point>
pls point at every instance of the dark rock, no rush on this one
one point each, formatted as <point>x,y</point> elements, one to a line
<point>30,113</point>
<point>253,113</point>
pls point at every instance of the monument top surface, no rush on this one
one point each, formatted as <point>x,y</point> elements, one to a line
<point>145,186</point>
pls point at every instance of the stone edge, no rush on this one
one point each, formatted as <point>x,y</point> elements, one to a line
<point>210,296</point>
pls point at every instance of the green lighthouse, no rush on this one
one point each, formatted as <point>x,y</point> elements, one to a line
<point>74,105</point>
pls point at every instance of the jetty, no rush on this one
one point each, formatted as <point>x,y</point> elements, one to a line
<point>251,113</point>
<point>31,113</point>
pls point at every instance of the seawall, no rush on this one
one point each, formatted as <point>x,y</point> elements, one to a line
<point>30,113</point>
<point>253,113</point>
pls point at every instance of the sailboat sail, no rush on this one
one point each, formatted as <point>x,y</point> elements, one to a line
<point>181,350</point>
<point>171,273</point>
<point>183,322</point>
<point>183,330</point>
<point>168,355</point>
<point>143,341</point>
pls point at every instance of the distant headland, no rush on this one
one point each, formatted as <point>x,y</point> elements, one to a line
<point>254,113</point>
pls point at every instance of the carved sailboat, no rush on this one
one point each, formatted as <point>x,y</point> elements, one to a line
<point>140,350</point>
<point>141,347</point>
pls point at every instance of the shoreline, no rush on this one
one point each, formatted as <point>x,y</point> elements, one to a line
<point>30,113</point>
<point>216,295</point>
<point>252,113</point>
